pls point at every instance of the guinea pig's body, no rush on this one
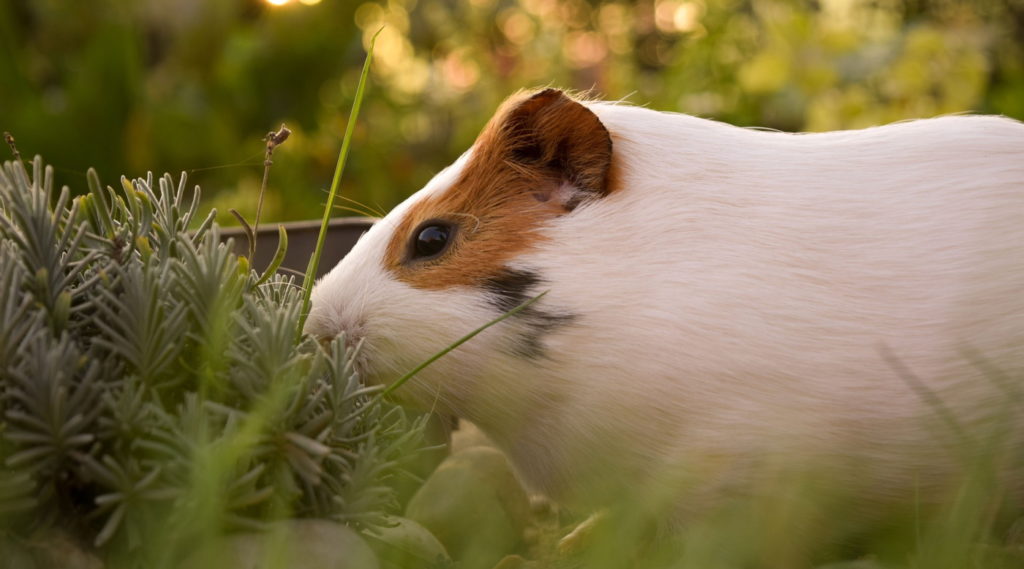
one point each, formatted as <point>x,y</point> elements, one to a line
<point>718,299</point>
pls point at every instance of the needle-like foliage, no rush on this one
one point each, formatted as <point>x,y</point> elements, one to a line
<point>152,389</point>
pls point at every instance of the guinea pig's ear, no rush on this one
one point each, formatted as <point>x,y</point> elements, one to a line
<point>550,135</point>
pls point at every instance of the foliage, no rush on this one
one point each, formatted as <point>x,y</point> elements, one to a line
<point>152,388</point>
<point>185,85</point>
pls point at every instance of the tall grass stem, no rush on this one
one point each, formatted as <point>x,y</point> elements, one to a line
<point>314,261</point>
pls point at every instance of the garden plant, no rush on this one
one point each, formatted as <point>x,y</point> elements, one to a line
<point>155,389</point>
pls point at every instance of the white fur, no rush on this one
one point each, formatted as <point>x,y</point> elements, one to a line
<point>745,295</point>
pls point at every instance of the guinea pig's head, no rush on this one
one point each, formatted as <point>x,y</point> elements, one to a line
<point>456,255</point>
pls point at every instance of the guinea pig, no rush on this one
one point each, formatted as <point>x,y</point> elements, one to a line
<point>717,298</point>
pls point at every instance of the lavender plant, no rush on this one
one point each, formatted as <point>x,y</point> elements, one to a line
<point>152,388</point>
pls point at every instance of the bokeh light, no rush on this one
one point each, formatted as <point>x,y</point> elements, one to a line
<point>443,66</point>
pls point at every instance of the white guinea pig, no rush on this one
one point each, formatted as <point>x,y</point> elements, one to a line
<point>717,297</point>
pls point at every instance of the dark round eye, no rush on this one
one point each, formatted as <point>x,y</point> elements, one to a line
<point>431,240</point>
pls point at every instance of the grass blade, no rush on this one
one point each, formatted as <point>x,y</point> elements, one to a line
<point>314,261</point>
<point>398,383</point>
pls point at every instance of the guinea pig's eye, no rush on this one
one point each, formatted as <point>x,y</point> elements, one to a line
<point>431,239</point>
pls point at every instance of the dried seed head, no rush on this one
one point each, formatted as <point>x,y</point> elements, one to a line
<point>275,139</point>
<point>17,155</point>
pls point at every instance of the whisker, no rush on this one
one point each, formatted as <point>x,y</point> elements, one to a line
<point>378,212</point>
<point>354,210</point>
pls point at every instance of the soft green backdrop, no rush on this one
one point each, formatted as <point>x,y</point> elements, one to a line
<point>169,85</point>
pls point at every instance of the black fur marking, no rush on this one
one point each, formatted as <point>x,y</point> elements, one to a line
<point>574,201</point>
<point>511,288</point>
<point>530,344</point>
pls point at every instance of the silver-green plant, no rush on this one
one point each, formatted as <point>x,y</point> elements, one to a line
<point>152,388</point>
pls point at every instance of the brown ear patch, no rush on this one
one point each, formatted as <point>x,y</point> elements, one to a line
<point>551,134</point>
<point>539,157</point>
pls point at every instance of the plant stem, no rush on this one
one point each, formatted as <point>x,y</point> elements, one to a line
<point>273,140</point>
<point>314,261</point>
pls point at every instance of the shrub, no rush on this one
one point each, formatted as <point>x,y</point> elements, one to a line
<point>154,390</point>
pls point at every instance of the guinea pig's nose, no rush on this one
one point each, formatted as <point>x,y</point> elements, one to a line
<point>325,325</point>
<point>321,325</point>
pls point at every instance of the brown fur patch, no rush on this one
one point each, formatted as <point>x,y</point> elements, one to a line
<point>519,175</point>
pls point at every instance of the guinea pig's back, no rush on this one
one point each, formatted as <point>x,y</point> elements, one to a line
<point>810,290</point>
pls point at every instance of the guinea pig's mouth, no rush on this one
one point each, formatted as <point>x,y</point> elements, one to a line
<point>359,362</point>
<point>355,351</point>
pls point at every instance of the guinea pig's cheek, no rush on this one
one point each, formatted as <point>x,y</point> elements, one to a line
<point>367,363</point>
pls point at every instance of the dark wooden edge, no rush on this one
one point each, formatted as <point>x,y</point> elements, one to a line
<point>342,234</point>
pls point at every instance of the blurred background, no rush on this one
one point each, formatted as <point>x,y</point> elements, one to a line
<point>129,86</point>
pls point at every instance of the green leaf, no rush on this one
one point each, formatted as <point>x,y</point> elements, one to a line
<point>275,263</point>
